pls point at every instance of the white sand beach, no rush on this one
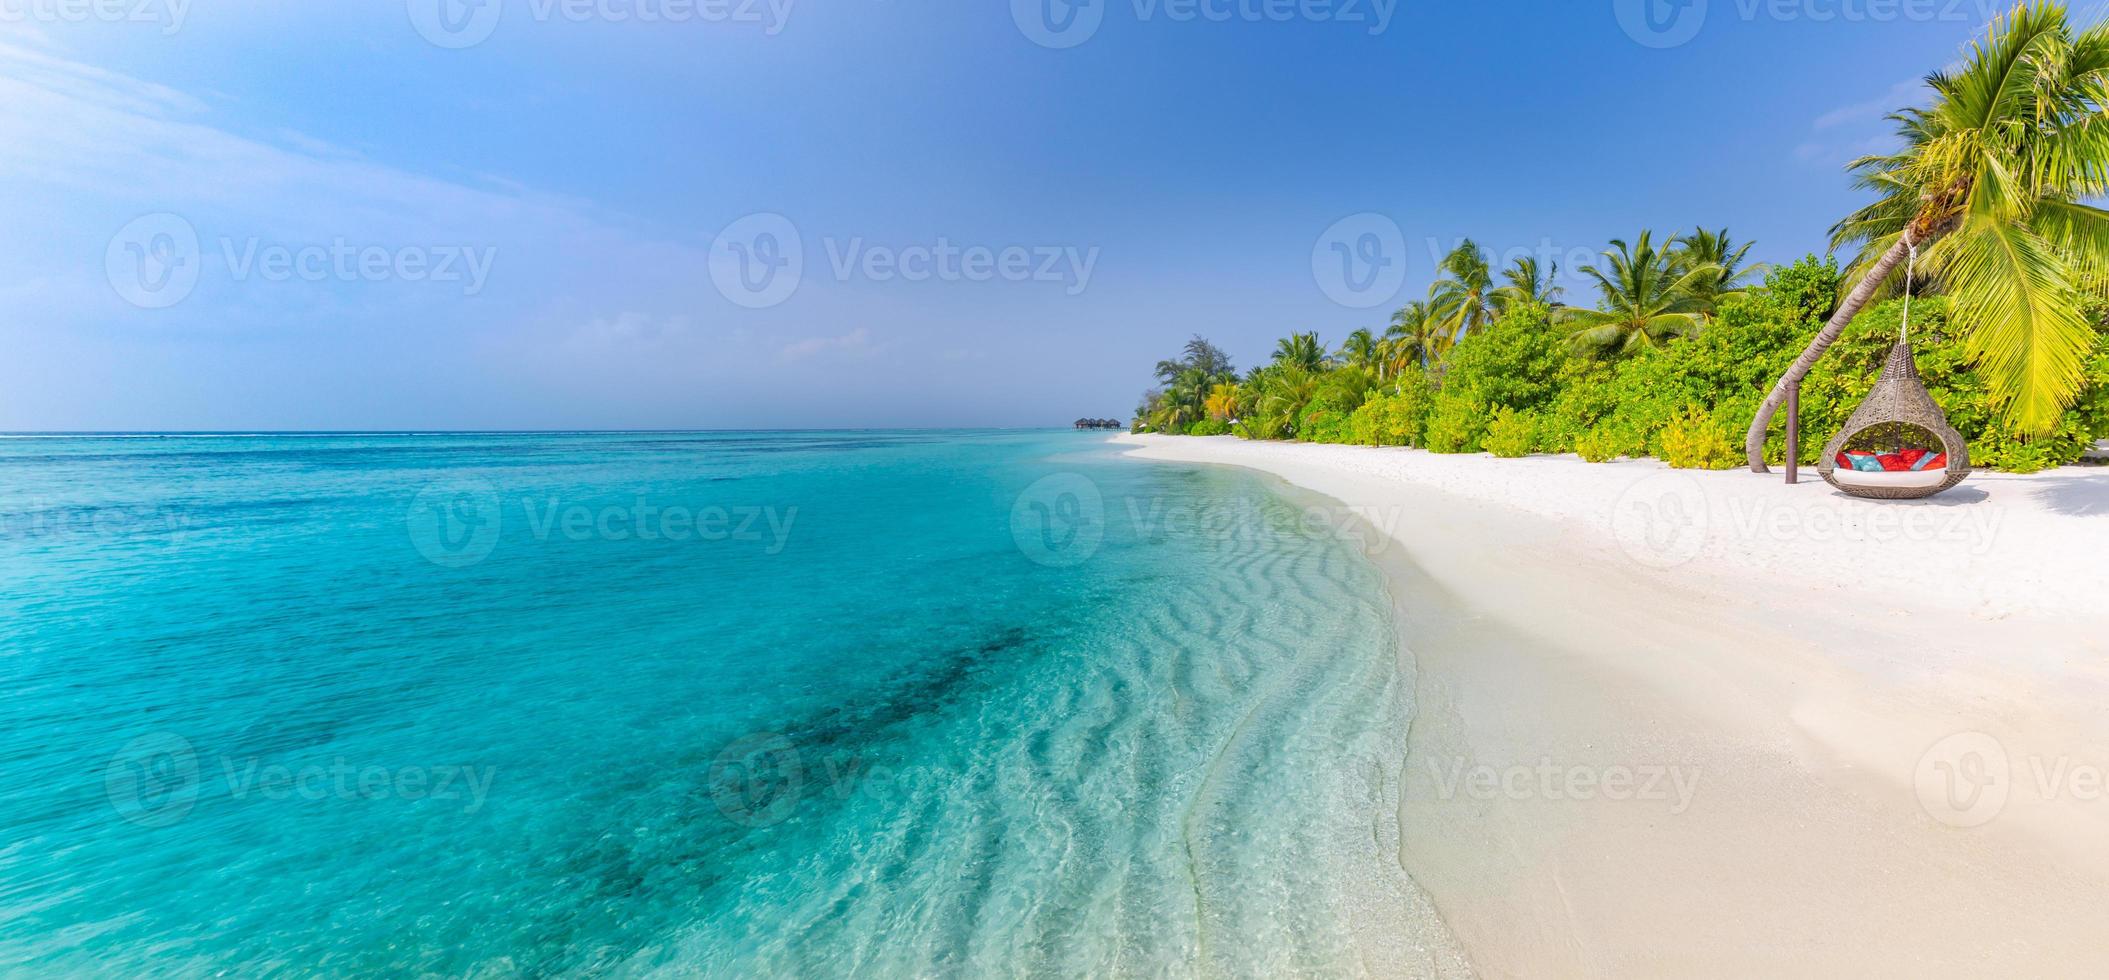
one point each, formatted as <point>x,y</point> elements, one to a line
<point>1704,723</point>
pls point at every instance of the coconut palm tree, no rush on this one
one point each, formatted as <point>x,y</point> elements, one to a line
<point>1285,389</point>
<point>1183,402</point>
<point>1647,298</point>
<point>1527,284</point>
<point>1362,349</point>
<point>1459,298</point>
<point>1988,188</point>
<point>1198,353</point>
<point>1415,338</point>
<point>1718,249</point>
<point>1302,350</point>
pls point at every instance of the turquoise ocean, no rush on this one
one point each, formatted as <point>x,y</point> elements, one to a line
<point>798,704</point>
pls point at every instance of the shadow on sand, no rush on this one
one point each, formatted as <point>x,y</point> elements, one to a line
<point>2075,496</point>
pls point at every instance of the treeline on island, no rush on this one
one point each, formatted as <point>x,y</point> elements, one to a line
<point>1672,363</point>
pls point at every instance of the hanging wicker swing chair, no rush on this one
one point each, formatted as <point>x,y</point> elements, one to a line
<point>1897,405</point>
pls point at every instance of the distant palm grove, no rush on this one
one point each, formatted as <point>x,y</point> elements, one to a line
<point>1686,352</point>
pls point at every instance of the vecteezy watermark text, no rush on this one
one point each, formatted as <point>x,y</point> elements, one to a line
<point>1061,521</point>
<point>169,15</point>
<point>760,260</point>
<point>1674,785</point>
<point>156,779</point>
<point>37,520</point>
<point>457,24</point>
<point>1667,519</point>
<point>456,523</point>
<point>156,261</point>
<point>1672,23</point>
<point>644,521</point>
<point>1062,24</point>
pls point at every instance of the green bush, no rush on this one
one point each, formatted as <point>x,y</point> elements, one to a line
<point>1396,419</point>
<point>1517,361</point>
<point>1320,424</point>
<point>1512,434</point>
<point>1456,424</point>
<point>1602,445</point>
<point>1209,427</point>
<point>1695,440</point>
<point>1367,426</point>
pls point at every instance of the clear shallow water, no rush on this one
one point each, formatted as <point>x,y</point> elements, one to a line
<point>733,704</point>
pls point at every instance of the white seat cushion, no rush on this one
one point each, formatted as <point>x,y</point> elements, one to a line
<point>1904,479</point>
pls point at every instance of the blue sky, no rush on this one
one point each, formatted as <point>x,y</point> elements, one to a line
<point>235,215</point>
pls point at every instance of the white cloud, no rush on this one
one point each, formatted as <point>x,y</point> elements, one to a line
<point>1860,129</point>
<point>1902,95</point>
<point>24,32</point>
<point>857,341</point>
<point>632,329</point>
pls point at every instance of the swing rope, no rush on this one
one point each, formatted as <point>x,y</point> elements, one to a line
<point>1911,273</point>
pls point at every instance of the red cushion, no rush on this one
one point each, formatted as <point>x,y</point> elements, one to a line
<point>1939,462</point>
<point>1845,461</point>
<point>1893,463</point>
<point>1912,456</point>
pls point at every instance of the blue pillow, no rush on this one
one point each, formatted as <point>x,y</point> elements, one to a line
<point>1865,462</point>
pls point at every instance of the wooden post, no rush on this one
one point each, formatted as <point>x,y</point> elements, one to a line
<point>1794,434</point>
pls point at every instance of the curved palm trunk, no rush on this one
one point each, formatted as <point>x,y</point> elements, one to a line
<point>1754,442</point>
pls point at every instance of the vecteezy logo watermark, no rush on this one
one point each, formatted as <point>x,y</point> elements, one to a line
<point>1661,521</point>
<point>1242,520</point>
<point>456,24</point>
<point>1964,780</point>
<point>758,262</point>
<point>1059,521</point>
<point>1661,23</point>
<point>1670,23</point>
<point>152,262</point>
<point>761,780</point>
<point>1058,24</point>
<point>1665,520</point>
<point>756,781</point>
<point>153,780</point>
<point>1360,262</point>
<point>1067,23</point>
<point>155,262</point>
<point>455,523</point>
<point>167,14</point>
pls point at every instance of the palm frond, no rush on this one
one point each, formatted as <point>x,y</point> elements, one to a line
<point>2014,296</point>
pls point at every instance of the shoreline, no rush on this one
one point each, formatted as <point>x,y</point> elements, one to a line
<point>1650,749</point>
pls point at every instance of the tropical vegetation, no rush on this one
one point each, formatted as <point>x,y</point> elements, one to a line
<point>1987,200</point>
<point>1521,385</point>
<point>1685,342</point>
